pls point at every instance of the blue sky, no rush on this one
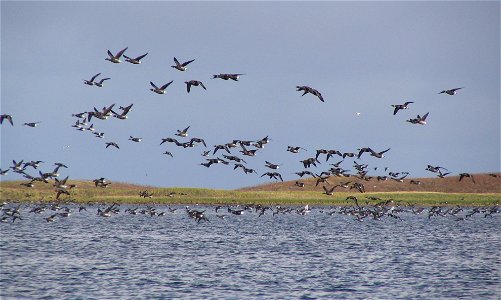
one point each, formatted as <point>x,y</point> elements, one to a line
<point>362,56</point>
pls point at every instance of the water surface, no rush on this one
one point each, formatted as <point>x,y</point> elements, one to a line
<point>286,256</point>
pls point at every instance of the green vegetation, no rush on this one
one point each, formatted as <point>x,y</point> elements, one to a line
<point>127,193</point>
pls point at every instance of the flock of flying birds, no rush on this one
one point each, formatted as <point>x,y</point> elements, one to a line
<point>247,148</point>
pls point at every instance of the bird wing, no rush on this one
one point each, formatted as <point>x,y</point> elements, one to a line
<point>94,77</point>
<point>186,63</point>
<point>166,85</point>
<point>141,57</point>
<point>121,52</point>
<point>382,152</point>
<point>153,85</point>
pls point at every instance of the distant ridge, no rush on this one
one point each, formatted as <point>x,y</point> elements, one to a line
<point>484,183</point>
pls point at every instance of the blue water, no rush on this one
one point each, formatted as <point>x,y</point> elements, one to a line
<point>286,256</point>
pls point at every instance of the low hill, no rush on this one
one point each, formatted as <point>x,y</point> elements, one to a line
<point>484,183</point>
<point>431,191</point>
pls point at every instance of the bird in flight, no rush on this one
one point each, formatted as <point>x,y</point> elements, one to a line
<point>194,83</point>
<point>400,106</point>
<point>419,120</point>
<point>181,66</point>
<point>91,81</point>
<point>451,92</point>
<point>32,124</point>
<point>307,89</point>
<point>136,60</point>
<point>233,77</point>
<point>6,117</point>
<point>116,58</point>
<point>160,90</point>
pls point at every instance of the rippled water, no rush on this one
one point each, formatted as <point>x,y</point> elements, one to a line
<point>287,256</point>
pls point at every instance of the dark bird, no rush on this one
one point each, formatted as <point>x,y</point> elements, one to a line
<point>463,175</point>
<point>307,89</point>
<point>125,111</point>
<point>273,175</point>
<point>116,58</point>
<point>329,192</point>
<point>419,120</point>
<point>6,117</point>
<point>442,175</point>
<point>183,133</point>
<point>400,106</point>
<point>193,83</point>
<point>271,165</point>
<point>302,173</point>
<point>198,140</point>
<point>294,149</point>
<point>91,81</point>
<point>112,144</point>
<point>168,153</point>
<point>135,139</point>
<point>434,169</point>
<point>32,124</point>
<point>102,115</point>
<point>61,165</point>
<point>160,90</point>
<point>244,151</point>
<point>300,184</point>
<point>136,60</point>
<point>181,66</point>
<point>451,91</point>
<point>362,151</point>
<point>101,82</point>
<point>378,154</point>
<point>233,77</point>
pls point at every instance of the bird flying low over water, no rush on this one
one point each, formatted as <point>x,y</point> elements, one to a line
<point>419,120</point>
<point>451,92</point>
<point>136,60</point>
<point>193,83</point>
<point>160,90</point>
<point>306,89</point>
<point>181,66</point>
<point>116,58</point>
<point>6,117</point>
<point>400,106</point>
<point>233,77</point>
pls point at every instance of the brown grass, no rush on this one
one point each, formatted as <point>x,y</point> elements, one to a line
<point>451,184</point>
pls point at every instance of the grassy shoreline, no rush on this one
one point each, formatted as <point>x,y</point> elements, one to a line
<point>123,193</point>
